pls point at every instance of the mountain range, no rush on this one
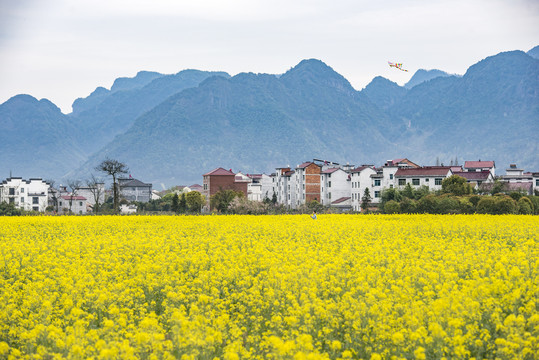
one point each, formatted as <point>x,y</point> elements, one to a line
<point>171,129</point>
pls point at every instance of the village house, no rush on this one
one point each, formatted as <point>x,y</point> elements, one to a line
<point>430,176</point>
<point>476,178</point>
<point>72,204</point>
<point>221,179</point>
<point>335,184</point>
<point>286,187</point>
<point>480,166</point>
<point>135,190</point>
<point>360,179</point>
<point>92,193</point>
<point>28,195</point>
<point>308,181</point>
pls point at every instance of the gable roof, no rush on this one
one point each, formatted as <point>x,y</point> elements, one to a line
<point>330,170</point>
<point>304,165</point>
<point>479,164</point>
<point>424,171</point>
<point>341,200</point>
<point>135,183</point>
<point>361,168</point>
<point>473,175</point>
<point>219,171</point>
<point>69,197</point>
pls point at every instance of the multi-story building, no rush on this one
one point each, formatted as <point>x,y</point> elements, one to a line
<point>308,181</point>
<point>286,186</point>
<point>430,176</point>
<point>221,179</point>
<point>27,195</point>
<point>360,179</point>
<point>480,166</point>
<point>260,187</point>
<point>335,184</point>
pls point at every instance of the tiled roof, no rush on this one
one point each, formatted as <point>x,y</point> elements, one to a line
<point>195,186</point>
<point>473,175</point>
<point>341,200</point>
<point>219,171</point>
<point>479,164</point>
<point>518,186</point>
<point>69,197</point>
<point>330,171</point>
<point>134,183</point>
<point>424,171</point>
<point>288,173</point>
<point>360,168</point>
<point>304,165</point>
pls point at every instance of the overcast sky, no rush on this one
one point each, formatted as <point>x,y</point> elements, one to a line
<point>64,49</point>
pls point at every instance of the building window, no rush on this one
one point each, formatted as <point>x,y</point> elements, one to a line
<point>22,190</point>
<point>377,194</point>
<point>427,180</point>
<point>402,181</point>
<point>12,200</point>
<point>536,182</point>
<point>60,203</point>
<point>329,195</point>
<point>390,176</point>
<point>35,200</point>
<point>80,203</point>
<point>437,181</point>
<point>11,191</point>
<point>391,186</point>
<point>303,186</point>
<point>329,184</point>
<point>22,200</point>
<point>377,182</point>
<point>415,182</point>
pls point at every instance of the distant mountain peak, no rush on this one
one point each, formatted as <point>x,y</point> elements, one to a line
<point>141,79</point>
<point>315,71</point>
<point>534,53</point>
<point>423,75</point>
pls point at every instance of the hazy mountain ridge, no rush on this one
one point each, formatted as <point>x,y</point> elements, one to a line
<point>173,128</point>
<point>36,132</point>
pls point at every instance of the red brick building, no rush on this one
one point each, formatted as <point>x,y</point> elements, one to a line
<point>221,179</point>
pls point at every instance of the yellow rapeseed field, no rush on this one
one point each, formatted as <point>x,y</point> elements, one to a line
<point>270,287</point>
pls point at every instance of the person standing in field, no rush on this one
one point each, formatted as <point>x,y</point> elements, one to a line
<point>313,215</point>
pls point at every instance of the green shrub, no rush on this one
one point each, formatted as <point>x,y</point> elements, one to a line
<point>391,207</point>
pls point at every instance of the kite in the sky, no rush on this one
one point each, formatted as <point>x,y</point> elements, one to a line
<point>396,65</point>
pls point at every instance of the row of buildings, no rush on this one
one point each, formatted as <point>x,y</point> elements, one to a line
<point>330,183</point>
<point>36,194</point>
<point>343,186</point>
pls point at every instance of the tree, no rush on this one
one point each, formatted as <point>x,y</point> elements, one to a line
<point>175,203</point>
<point>195,201</point>
<point>94,185</point>
<point>113,168</point>
<point>366,199</point>
<point>53,194</point>
<point>221,200</point>
<point>274,198</point>
<point>73,186</point>
<point>456,185</point>
<point>183,204</point>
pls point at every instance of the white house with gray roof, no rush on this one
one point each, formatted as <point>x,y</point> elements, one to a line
<point>29,195</point>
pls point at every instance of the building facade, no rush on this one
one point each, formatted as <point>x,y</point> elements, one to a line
<point>28,195</point>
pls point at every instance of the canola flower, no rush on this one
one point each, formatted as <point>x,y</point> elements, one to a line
<point>270,287</point>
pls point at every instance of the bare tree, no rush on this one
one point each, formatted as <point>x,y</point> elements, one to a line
<point>113,168</point>
<point>54,193</point>
<point>74,186</point>
<point>94,186</point>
